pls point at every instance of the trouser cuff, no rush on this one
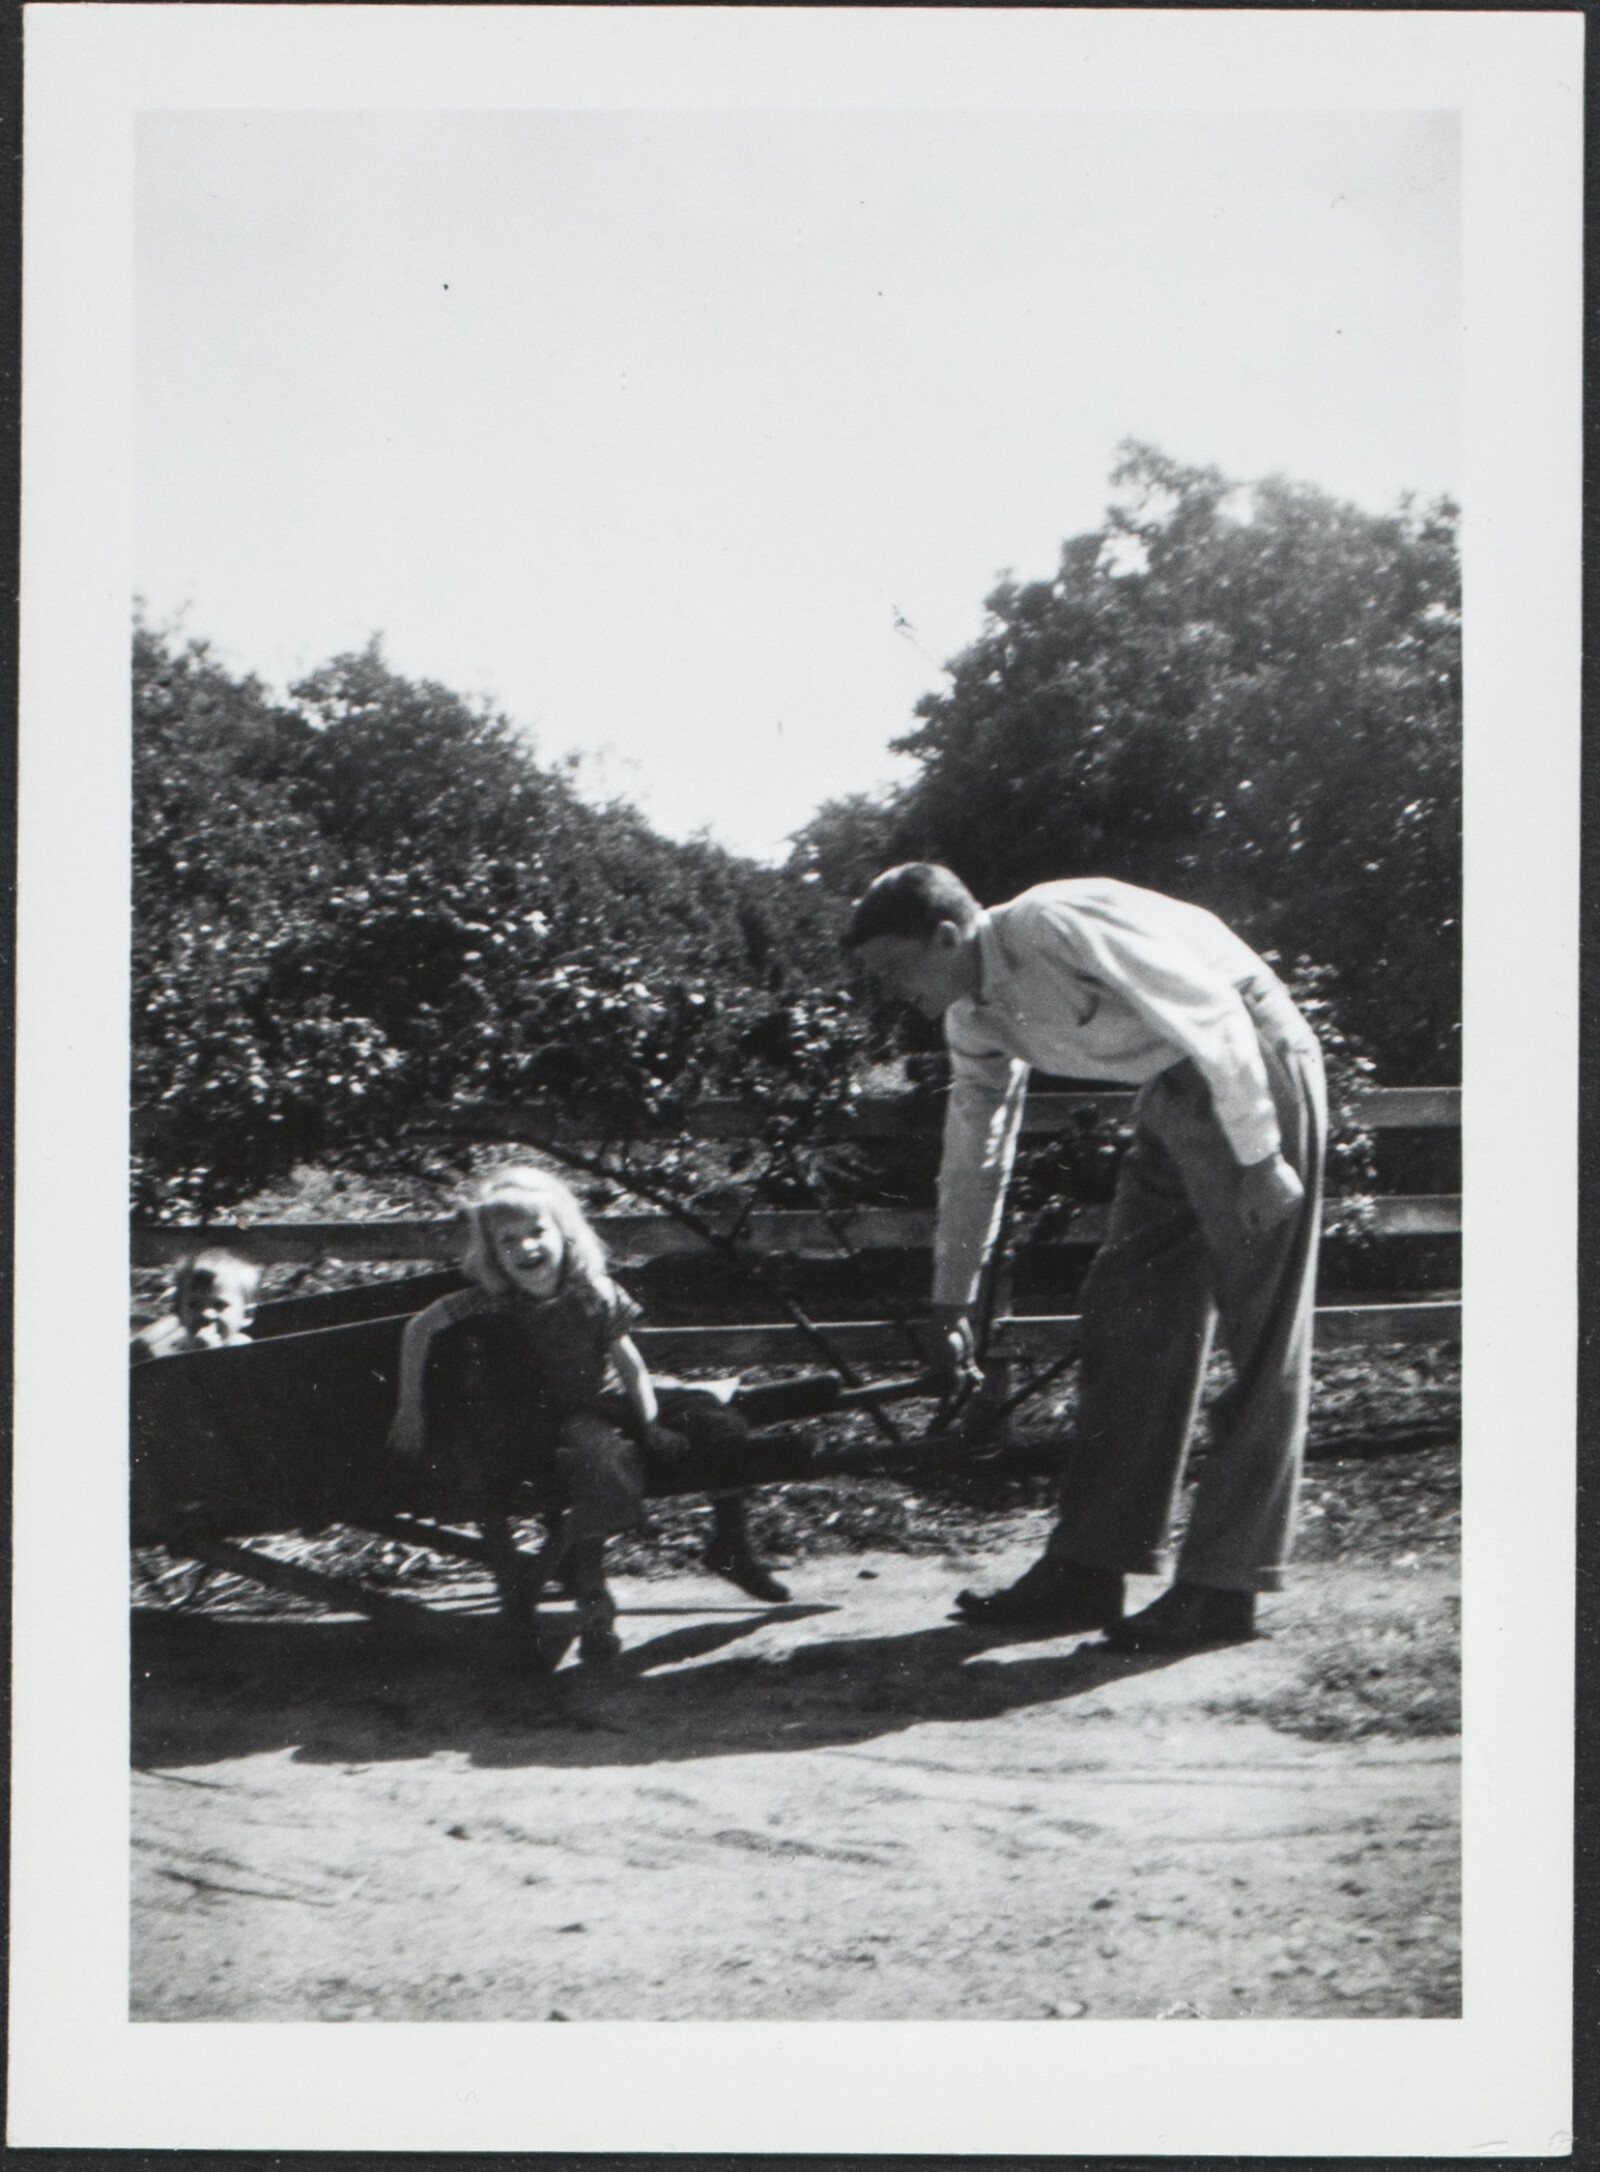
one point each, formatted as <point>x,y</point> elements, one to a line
<point>1228,1575</point>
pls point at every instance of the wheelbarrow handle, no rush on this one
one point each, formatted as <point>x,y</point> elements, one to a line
<point>890,1391</point>
<point>814,1395</point>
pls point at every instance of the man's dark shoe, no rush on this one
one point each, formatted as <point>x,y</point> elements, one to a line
<point>1186,1618</point>
<point>1055,1596</point>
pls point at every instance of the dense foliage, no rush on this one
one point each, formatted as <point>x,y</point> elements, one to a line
<point>375,898</point>
<point>372,898</point>
<point>1247,697</point>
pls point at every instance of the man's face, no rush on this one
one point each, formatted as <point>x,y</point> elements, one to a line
<point>925,972</point>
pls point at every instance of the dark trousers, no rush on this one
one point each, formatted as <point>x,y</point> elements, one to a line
<point>602,1476</point>
<point>1177,1261</point>
<point>604,1473</point>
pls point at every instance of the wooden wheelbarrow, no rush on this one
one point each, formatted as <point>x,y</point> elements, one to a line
<point>288,1433</point>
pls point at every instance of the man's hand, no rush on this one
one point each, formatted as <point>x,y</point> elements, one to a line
<point>1269,1193</point>
<point>955,1352</point>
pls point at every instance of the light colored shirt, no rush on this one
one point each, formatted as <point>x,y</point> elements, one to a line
<point>1098,980</point>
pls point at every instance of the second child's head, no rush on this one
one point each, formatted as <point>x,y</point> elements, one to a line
<point>213,1295</point>
<point>527,1236</point>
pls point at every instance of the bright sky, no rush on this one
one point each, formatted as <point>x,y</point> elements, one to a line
<point>654,427</point>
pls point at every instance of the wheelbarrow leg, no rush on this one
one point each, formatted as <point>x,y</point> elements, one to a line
<point>595,1607</point>
<point>335,1591</point>
<point>521,1579</point>
<point>515,1573</point>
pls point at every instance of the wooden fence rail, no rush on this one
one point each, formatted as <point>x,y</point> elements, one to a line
<point>1026,1335</point>
<point>899,1116</point>
<point>634,1239</point>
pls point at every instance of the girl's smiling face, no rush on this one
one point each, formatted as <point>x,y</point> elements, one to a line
<point>528,1248</point>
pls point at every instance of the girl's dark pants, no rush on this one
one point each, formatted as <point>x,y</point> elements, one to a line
<point>603,1475</point>
<point>1178,1261</point>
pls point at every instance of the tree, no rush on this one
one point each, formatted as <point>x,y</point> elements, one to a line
<point>374,897</point>
<point>846,842</point>
<point>227,875</point>
<point>1244,695</point>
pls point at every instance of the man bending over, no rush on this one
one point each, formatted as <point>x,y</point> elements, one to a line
<point>1216,1215</point>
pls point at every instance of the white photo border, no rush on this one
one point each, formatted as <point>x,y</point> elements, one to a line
<point>1493,2083</point>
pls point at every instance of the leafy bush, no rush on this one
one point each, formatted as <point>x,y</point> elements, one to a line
<point>371,898</point>
<point>376,900</point>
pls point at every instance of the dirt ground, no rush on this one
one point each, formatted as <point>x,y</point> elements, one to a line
<point>848,1807</point>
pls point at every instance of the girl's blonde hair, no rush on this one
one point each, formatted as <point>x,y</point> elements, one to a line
<point>520,1185</point>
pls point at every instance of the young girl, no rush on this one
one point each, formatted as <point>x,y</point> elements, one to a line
<point>533,1371</point>
<point>212,1298</point>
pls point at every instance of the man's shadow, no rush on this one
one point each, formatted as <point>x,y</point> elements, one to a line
<point>208,1689</point>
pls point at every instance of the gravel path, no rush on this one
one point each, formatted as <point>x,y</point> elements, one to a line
<point>849,1808</point>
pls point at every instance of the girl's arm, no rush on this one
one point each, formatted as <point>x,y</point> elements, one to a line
<point>634,1374</point>
<point>408,1428</point>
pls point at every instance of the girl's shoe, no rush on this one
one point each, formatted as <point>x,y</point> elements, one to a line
<point>597,1640</point>
<point>741,1567</point>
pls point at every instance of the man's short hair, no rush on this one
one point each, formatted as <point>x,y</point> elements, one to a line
<point>910,900</point>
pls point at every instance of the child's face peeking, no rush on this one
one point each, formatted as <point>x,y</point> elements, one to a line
<point>528,1248</point>
<point>213,1307</point>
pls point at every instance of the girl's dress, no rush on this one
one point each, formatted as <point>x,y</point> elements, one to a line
<point>520,1393</point>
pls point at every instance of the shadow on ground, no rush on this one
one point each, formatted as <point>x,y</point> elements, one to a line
<point>208,1690</point>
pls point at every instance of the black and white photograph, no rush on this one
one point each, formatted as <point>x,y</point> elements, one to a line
<point>788,911</point>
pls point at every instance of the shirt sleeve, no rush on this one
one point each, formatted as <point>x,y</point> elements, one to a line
<point>1189,1003</point>
<point>622,1313</point>
<point>982,1118</point>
